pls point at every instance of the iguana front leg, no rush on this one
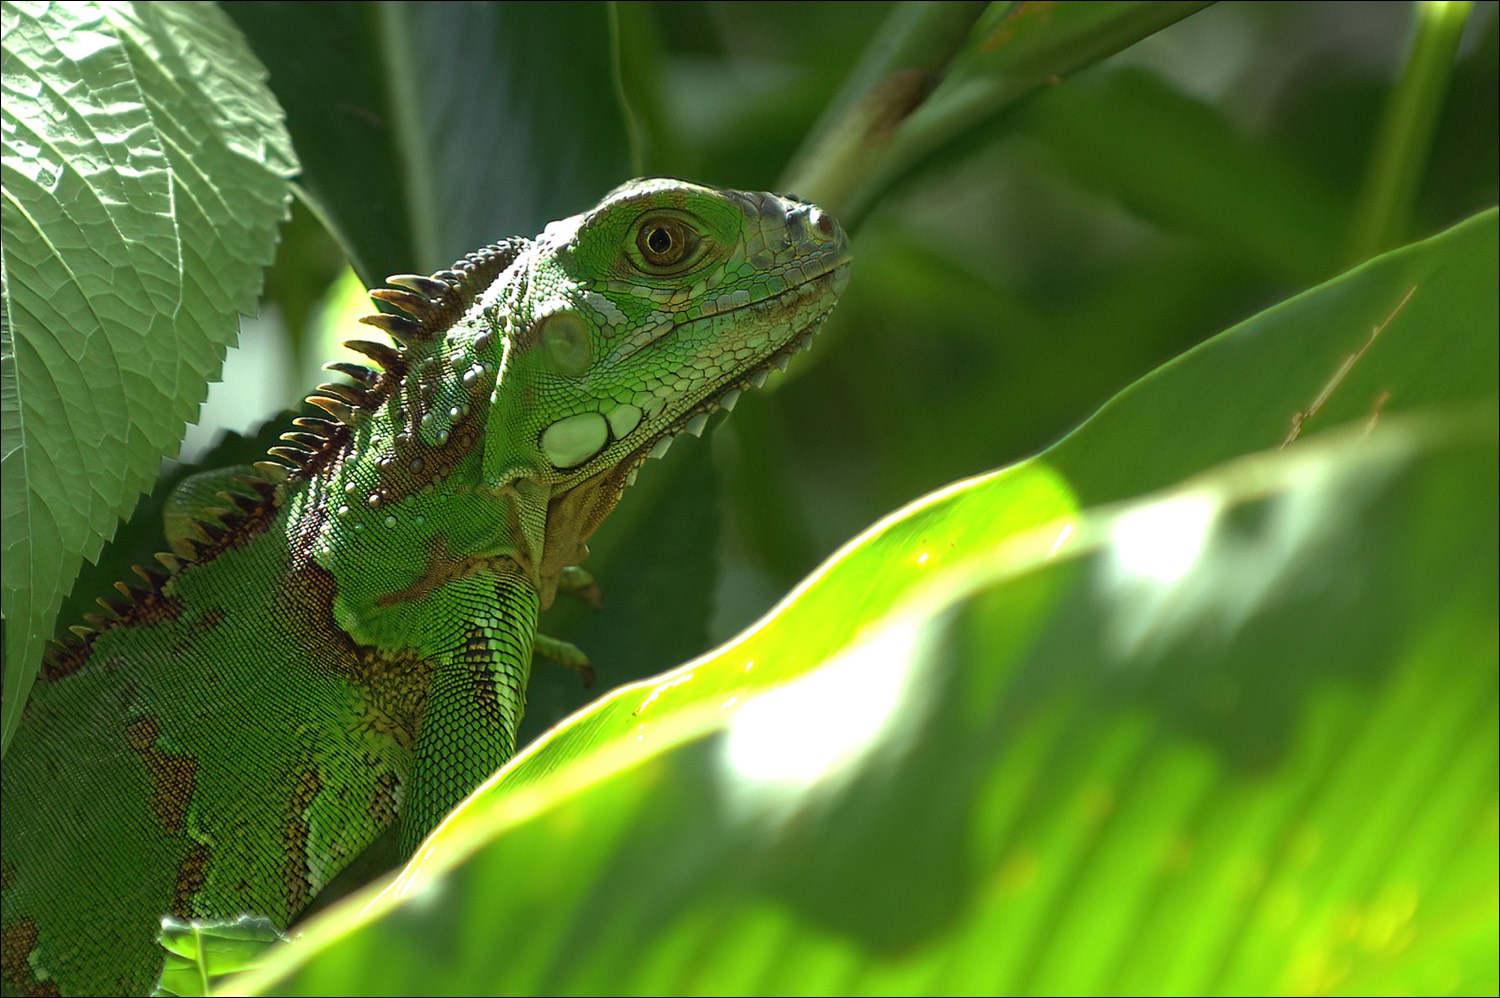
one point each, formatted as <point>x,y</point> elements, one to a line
<point>476,698</point>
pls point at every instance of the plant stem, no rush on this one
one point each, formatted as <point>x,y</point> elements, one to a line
<point>1404,141</point>
<point>912,96</point>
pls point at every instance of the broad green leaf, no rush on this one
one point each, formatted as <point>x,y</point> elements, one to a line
<point>1144,749</point>
<point>429,130</point>
<point>144,175</point>
<point>1036,734</point>
<point>1408,331</point>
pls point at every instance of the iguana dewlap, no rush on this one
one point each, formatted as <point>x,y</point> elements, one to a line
<point>349,645</point>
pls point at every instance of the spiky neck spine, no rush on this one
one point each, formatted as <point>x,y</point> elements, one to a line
<point>411,372</point>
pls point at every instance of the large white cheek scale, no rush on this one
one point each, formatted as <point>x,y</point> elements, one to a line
<point>573,440</point>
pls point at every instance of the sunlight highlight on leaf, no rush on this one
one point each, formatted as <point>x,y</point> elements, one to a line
<point>817,728</point>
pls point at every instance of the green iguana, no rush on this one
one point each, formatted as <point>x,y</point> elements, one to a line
<point>350,645</point>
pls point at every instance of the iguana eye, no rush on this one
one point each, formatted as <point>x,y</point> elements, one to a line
<point>664,242</point>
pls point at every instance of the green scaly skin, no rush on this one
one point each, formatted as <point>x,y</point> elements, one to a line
<point>349,645</point>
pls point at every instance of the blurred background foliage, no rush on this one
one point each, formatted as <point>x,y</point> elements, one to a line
<point>1001,292</point>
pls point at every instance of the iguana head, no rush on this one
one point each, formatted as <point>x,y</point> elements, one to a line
<point>535,376</point>
<point>633,321</point>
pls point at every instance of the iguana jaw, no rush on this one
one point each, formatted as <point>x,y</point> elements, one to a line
<point>577,508</point>
<point>694,417</point>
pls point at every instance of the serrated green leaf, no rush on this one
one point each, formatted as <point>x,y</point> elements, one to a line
<point>144,175</point>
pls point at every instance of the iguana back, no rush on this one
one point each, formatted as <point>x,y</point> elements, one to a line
<point>349,645</point>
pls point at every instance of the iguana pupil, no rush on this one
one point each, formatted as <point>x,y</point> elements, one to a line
<point>341,641</point>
